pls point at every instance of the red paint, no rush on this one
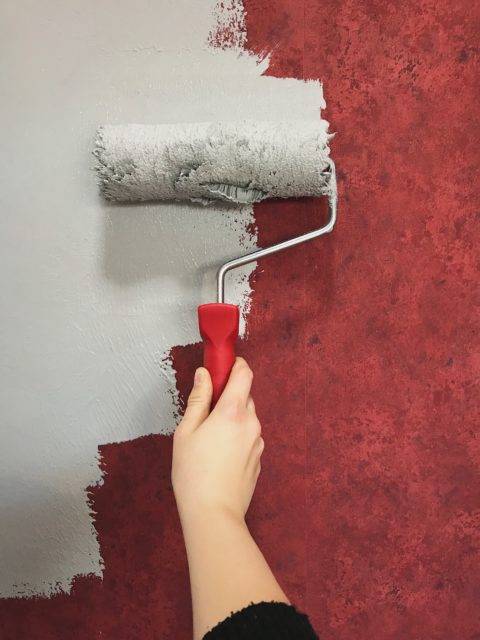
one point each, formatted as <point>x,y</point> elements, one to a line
<point>365,348</point>
<point>144,592</point>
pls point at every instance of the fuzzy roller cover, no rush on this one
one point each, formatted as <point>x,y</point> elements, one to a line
<point>240,162</point>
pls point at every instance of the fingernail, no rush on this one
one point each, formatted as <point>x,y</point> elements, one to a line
<point>198,376</point>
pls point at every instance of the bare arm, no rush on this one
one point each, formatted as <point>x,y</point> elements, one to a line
<point>216,462</point>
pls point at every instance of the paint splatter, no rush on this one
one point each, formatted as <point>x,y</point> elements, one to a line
<point>230,30</point>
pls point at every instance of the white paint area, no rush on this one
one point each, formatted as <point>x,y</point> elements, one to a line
<point>94,295</point>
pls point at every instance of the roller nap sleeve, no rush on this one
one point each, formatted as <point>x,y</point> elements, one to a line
<point>238,162</point>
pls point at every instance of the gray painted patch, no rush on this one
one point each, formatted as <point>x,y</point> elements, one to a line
<point>93,295</point>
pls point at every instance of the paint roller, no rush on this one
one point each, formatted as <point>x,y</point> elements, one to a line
<point>236,162</point>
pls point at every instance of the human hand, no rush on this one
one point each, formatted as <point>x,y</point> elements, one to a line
<point>216,456</point>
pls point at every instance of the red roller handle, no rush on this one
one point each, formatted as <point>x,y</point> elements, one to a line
<point>218,324</point>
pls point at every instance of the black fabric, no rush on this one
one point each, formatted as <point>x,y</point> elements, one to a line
<point>264,621</point>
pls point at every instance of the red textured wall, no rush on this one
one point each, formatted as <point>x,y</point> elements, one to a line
<point>366,352</point>
<point>388,311</point>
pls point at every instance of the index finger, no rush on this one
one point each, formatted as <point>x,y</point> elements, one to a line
<point>238,387</point>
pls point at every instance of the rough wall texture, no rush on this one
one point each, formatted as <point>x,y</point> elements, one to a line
<point>388,348</point>
<point>95,295</point>
<point>368,506</point>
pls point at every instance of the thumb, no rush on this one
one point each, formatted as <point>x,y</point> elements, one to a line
<point>199,400</point>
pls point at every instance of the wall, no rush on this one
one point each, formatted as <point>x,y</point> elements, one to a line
<point>387,411</point>
<point>95,295</point>
<point>367,506</point>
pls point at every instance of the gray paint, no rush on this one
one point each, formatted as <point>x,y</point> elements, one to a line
<point>240,162</point>
<point>93,295</point>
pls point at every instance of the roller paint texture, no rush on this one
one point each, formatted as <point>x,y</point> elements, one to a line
<point>239,162</point>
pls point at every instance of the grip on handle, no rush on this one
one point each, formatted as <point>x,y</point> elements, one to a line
<point>218,324</point>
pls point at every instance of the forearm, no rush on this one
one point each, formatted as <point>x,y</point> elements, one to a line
<point>227,569</point>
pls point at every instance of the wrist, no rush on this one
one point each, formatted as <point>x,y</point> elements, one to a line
<point>209,516</point>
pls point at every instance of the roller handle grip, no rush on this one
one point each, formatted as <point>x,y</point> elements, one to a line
<point>218,323</point>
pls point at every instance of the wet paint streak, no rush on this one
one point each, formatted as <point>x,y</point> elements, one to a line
<point>230,31</point>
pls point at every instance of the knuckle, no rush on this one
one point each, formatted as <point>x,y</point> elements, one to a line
<point>245,378</point>
<point>255,427</point>
<point>242,365</point>
<point>258,448</point>
<point>194,400</point>
<point>234,410</point>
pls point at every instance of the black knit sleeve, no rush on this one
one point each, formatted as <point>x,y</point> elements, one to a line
<point>264,621</point>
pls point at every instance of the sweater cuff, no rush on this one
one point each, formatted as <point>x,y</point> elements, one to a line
<point>264,620</point>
